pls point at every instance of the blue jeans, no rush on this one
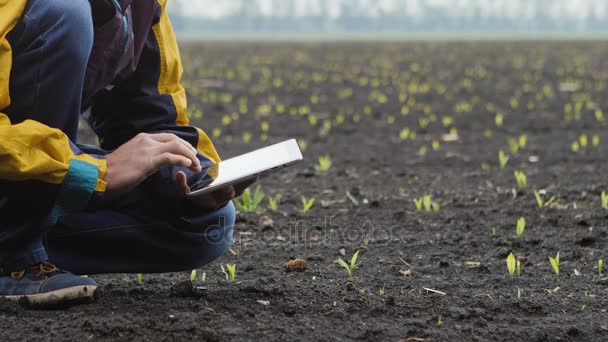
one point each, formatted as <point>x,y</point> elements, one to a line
<point>127,232</point>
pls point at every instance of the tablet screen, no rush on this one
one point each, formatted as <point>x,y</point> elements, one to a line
<point>254,163</point>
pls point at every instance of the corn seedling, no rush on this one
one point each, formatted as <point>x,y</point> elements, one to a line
<point>139,278</point>
<point>404,134</point>
<point>511,265</point>
<point>303,144</point>
<point>381,291</point>
<point>324,163</point>
<point>541,202</point>
<point>273,203</point>
<point>503,159</point>
<point>418,203</point>
<point>583,140</point>
<point>600,267</point>
<point>518,267</point>
<point>230,272</point>
<point>249,202</point>
<point>193,276</point>
<point>306,204</point>
<point>425,203</point>
<point>521,226</point>
<point>349,267</point>
<point>493,231</point>
<point>555,263</point>
<point>522,180</point>
<point>595,140</point>
<point>604,198</point>
<point>439,322</point>
<point>498,119</point>
<point>522,140</point>
<point>513,145</point>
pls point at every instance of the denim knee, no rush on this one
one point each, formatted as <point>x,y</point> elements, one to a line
<point>214,237</point>
<point>66,26</point>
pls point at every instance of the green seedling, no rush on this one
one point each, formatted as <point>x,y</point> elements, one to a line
<point>381,291</point>
<point>600,267</point>
<point>247,137</point>
<point>503,159</point>
<point>349,267</point>
<point>231,272</point>
<point>604,198</point>
<point>518,267</point>
<point>192,276</point>
<point>595,140</point>
<point>498,119</point>
<point>273,203</point>
<point>249,202</point>
<point>522,179</point>
<point>522,140</point>
<point>513,145</point>
<point>493,231</point>
<point>439,322</point>
<point>303,144</point>
<point>511,265</point>
<point>139,278</point>
<point>583,140</point>
<point>555,263</point>
<point>426,203</point>
<point>306,205</point>
<point>521,226</point>
<point>324,163</point>
<point>418,203</point>
<point>404,134</point>
<point>541,202</point>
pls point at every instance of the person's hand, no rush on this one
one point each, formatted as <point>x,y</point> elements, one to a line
<point>140,157</point>
<point>213,200</point>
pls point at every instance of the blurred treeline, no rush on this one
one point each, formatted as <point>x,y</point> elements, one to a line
<point>565,16</point>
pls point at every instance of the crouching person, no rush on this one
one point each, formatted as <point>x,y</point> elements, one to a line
<point>68,209</point>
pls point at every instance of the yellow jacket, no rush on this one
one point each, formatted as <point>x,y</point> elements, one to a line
<point>33,152</point>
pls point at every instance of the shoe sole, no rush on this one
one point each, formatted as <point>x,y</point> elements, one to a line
<point>59,298</point>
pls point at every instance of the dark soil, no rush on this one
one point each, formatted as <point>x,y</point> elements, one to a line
<point>365,201</point>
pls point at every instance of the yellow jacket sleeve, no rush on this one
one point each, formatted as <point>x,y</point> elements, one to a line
<point>32,151</point>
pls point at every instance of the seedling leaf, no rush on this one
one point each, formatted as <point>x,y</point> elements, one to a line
<point>521,226</point>
<point>349,267</point>
<point>502,159</point>
<point>306,205</point>
<point>231,270</point>
<point>511,264</point>
<point>555,263</point>
<point>539,200</point>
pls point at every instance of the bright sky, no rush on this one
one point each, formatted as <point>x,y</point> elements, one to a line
<point>579,9</point>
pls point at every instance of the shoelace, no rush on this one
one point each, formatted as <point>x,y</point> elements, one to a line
<point>44,267</point>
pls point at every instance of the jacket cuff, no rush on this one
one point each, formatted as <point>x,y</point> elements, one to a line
<point>76,190</point>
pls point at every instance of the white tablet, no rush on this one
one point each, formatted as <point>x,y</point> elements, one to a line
<point>251,165</point>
